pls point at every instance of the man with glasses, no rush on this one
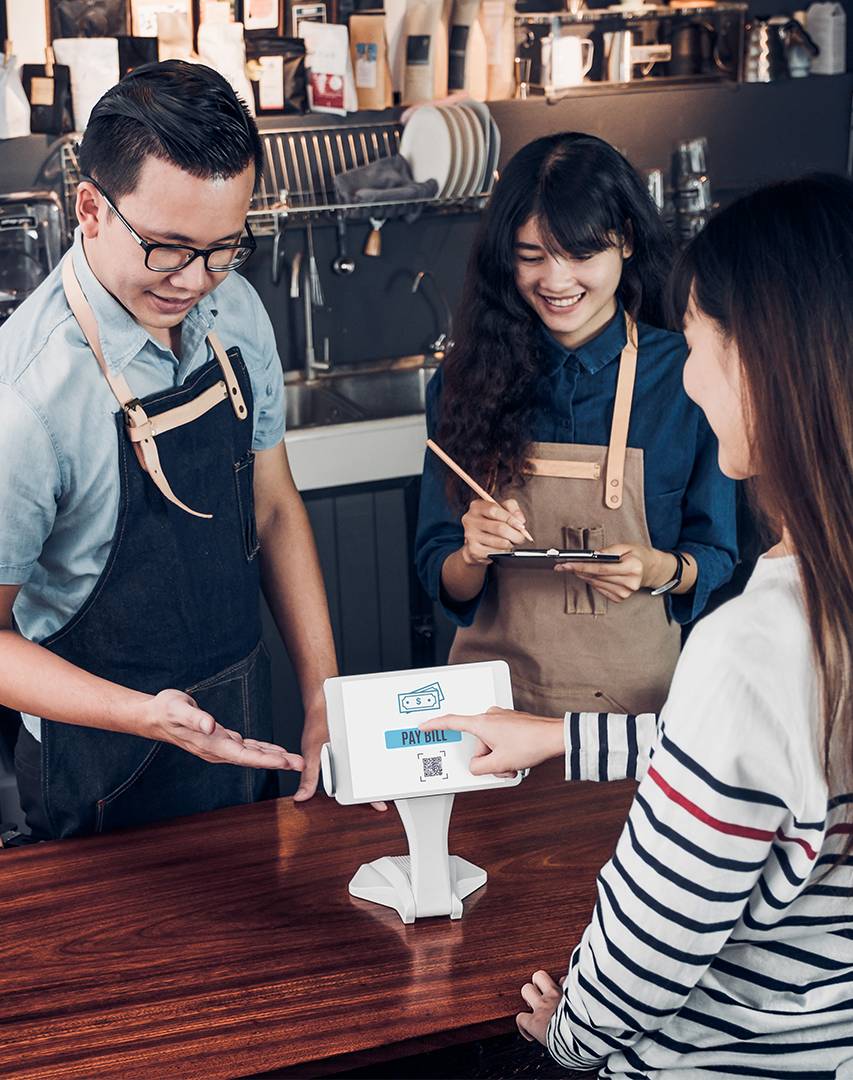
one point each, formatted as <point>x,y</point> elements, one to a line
<point>145,492</point>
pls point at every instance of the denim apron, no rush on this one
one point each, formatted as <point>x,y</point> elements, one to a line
<point>177,606</point>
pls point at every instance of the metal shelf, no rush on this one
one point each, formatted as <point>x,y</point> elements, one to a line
<point>628,13</point>
<point>297,180</point>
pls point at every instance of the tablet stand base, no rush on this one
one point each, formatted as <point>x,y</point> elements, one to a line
<point>427,881</point>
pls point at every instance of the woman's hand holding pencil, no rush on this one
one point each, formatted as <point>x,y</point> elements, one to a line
<point>489,526</point>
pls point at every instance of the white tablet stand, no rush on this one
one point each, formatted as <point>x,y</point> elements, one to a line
<point>427,881</point>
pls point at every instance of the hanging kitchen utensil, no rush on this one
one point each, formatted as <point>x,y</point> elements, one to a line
<point>278,244</point>
<point>343,263</point>
<point>315,285</point>
<point>373,244</point>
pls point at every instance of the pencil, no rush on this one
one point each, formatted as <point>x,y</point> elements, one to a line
<point>469,480</point>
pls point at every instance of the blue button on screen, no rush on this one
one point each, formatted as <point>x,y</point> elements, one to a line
<point>406,737</point>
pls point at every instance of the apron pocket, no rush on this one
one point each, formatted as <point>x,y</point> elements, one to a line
<point>244,476</point>
<point>171,782</point>
<point>582,599</point>
<point>108,810</point>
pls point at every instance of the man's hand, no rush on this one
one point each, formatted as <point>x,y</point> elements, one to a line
<point>173,716</point>
<point>506,740</point>
<point>542,995</point>
<point>315,732</point>
<point>640,568</point>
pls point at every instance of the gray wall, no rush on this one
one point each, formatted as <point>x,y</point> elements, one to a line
<point>756,132</point>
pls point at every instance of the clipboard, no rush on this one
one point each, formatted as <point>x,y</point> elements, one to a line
<point>545,559</point>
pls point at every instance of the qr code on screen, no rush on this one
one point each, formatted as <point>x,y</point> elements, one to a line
<point>432,767</point>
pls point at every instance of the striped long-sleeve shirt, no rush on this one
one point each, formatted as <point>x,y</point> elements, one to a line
<point>718,944</point>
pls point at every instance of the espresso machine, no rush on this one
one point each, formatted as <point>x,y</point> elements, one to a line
<point>32,228</point>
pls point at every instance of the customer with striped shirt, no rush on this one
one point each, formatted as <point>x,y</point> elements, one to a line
<point>722,937</point>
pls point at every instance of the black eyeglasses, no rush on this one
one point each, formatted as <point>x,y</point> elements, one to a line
<point>169,258</point>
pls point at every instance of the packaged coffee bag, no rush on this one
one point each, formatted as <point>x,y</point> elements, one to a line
<point>369,52</point>
<point>426,50</point>
<point>498,19</point>
<point>467,63</point>
<point>276,69</point>
<point>331,86</point>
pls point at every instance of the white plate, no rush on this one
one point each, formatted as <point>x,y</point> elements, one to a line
<point>478,167</point>
<point>493,142</point>
<point>469,151</point>
<point>427,147</point>
<point>494,155</point>
<point>458,166</point>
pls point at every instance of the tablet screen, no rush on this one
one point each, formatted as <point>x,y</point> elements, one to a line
<point>388,753</point>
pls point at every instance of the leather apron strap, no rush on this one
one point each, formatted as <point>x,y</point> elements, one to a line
<point>614,484</point>
<point>141,429</point>
<point>586,470</point>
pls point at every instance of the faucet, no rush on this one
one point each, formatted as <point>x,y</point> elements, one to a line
<point>311,365</point>
<point>437,348</point>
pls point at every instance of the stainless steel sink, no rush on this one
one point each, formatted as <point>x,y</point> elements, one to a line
<point>380,394</point>
<point>309,405</point>
<point>342,398</point>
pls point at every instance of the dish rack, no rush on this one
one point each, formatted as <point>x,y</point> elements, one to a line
<point>297,180</point>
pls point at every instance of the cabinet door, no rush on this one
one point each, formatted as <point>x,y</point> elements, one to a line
<point>364,541</point>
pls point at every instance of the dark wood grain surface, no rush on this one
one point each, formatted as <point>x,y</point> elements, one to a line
<point>226,944</point>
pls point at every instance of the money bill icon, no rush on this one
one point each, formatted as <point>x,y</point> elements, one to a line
<point>423,699</point>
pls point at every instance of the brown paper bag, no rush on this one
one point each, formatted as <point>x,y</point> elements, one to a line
<point>370,61</point>
<point>426,50</point>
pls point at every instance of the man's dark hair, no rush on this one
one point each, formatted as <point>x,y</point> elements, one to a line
<point>186,114</point>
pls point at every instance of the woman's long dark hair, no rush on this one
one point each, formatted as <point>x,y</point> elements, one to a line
<point>775,272</point>
<point>584,195</point>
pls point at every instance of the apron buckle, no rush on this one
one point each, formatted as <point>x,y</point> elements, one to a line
<point>129,408</point>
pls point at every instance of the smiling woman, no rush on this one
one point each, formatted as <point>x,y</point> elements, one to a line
<point>562,396</point>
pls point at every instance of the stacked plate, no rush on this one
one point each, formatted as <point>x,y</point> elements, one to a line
<point>455,145</point>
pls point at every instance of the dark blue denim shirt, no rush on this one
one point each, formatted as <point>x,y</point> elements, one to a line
<point>690,505</point>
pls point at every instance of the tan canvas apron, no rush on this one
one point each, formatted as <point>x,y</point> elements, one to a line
<point>568,647</point>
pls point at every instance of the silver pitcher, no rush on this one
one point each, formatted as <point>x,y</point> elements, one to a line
<point>775,46</point>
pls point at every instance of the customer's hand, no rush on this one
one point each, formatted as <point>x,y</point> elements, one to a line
<point>489,528</point>
<point>506,740</point>
<point>174,717</point>
<point>542,995</point>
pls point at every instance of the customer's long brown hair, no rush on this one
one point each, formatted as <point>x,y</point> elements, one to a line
<point>775,272</point>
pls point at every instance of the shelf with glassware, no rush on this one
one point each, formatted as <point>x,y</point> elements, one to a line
<point>560,52</point>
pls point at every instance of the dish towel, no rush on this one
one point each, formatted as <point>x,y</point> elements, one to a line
<point>385,180</point>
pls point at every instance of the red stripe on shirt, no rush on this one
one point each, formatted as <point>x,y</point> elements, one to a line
<point>721,826</point>
<point>807,848</point>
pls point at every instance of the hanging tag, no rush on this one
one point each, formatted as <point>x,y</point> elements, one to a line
<point>373,245</point>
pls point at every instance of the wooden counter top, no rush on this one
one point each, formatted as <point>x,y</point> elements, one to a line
<point>226,944</point>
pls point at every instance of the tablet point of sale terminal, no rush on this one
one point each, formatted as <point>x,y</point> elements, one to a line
<point>377,751</point>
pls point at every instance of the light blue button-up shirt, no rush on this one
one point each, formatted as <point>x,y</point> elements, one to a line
<point>59,478</point>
